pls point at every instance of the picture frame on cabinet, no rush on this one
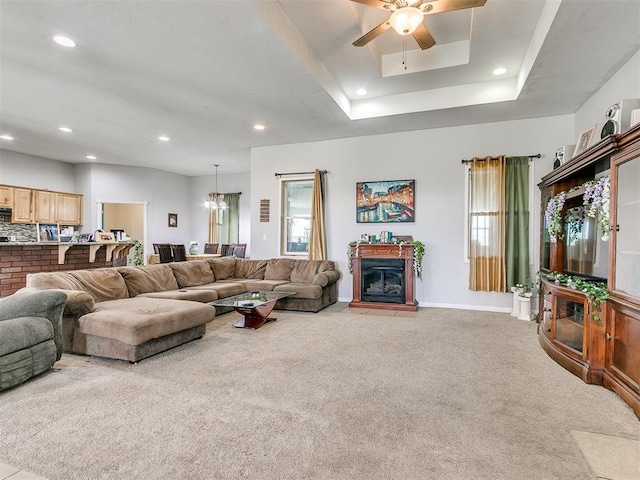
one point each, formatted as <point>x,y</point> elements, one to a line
<point>584,140</point>
<point>105,237</point>
<point>173,220</point>
<point>47,232</point>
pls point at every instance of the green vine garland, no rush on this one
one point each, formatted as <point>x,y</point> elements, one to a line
<point>137,253</point>
<point>596,292</point>
<point>418,253</point>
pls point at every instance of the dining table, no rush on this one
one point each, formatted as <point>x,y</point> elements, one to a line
<point>154,258</point>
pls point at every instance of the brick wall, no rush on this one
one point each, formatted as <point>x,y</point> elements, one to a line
<point>16,261</point>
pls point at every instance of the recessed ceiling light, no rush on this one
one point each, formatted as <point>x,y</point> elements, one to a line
<point>500,71</point>
<point>65,129</point>
<point>361,91</point>
<point>64,41</point>
<point>258,127</point>
<point>163,138</point>
<point>6,137</point>
<point>91,157</point>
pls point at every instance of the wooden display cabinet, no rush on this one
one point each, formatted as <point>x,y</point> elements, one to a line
<point>569,334</point>
<point>622,367</point>
<point>607,354</point>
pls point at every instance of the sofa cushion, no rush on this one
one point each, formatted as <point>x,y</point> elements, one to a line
<point>101,283</point>
<point>252,285</point>
<point>223,267</point>
<point>304,271</point>
<point>302,290</point>
<point>188,293</point>
<point>247,268</point>
<point>48,280</point>
<point>222,289</point>
<point>23,332</point>
<point>279,268</point>
<point>136,320</point>
<point>150,278</point>
<point>189,274</point>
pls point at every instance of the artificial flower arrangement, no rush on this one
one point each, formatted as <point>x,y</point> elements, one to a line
<point>596,200</point>
<point>596,204</point>
<point>553,216</point>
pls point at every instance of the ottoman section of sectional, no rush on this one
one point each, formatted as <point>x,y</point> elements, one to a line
<point>135,328</point>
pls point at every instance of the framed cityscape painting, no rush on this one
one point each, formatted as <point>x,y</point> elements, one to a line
<point>389,201</point>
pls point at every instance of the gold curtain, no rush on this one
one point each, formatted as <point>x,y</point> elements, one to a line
<point>317,238</point>
<point>487,269</point>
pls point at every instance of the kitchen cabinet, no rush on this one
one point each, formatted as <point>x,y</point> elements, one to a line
<point>22,206</point>
<point>69,209</point>
<point>45,202</point>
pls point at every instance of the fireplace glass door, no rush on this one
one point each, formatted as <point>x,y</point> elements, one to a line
<point>383,280</point>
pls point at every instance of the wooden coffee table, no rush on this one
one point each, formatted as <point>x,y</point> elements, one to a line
<point>254,306</point>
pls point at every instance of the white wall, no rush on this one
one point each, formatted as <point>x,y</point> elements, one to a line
<point>625,83</point>
<point>200,187</point>
<point>36,172</point>
<point>432,158</point>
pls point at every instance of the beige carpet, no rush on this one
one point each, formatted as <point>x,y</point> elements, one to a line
<point>441,394</point>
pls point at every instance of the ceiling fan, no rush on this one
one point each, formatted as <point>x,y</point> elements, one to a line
<point>407,16</point>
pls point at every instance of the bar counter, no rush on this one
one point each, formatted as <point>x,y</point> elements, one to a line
<point>18,259</point>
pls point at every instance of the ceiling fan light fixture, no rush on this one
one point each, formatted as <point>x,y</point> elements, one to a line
<point>405,20</point>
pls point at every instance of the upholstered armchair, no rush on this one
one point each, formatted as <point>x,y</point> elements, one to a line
<point>30,334</point>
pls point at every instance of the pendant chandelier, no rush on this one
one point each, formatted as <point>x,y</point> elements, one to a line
<point>215,201</point>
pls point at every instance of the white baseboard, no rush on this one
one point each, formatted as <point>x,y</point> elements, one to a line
<point>481,308</point>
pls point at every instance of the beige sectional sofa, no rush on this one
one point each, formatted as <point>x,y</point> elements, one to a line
<point>130,313</point>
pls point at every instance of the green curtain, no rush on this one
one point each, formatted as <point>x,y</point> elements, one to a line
<point>229,230</point>
<point>517,221</point>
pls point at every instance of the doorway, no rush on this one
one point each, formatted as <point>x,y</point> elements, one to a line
<point>130,218</point>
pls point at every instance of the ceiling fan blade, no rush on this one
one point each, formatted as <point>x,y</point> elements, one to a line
<point>374,3</point>
<point>367,37</point>
<point>450,5</point>
<point>423,37</point>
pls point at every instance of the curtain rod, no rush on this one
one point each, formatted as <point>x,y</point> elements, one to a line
<point>228,193</point>
<point>297,173</point>
<point>537,155</point>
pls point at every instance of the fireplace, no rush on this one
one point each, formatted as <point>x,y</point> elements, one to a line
<point>383,276</point>
<point>382,280</point>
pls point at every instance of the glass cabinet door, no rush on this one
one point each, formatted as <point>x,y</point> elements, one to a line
<point>627,238</point>
<point>569,323</point>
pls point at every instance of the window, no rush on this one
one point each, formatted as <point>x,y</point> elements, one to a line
<point>499,192</point>
<point>297,196</point>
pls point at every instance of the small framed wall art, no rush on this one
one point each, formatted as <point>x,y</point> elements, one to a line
<point>389,201</point>
<point>173,220</point>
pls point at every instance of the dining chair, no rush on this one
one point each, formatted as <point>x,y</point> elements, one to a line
<point>226,250</point>
<point>156,246</point>
<point>210,248</point>
<point>164,251</point>
<point>179,253</point>
<point>239,249</point>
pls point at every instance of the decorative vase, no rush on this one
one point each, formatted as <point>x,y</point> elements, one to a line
<point>193,249</point>
<point>516,301</point>
<point>525,308</point>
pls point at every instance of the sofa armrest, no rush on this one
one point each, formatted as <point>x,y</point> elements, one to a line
<point>325,278</point>
<point>47,304</point>
<point>78,303</point>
